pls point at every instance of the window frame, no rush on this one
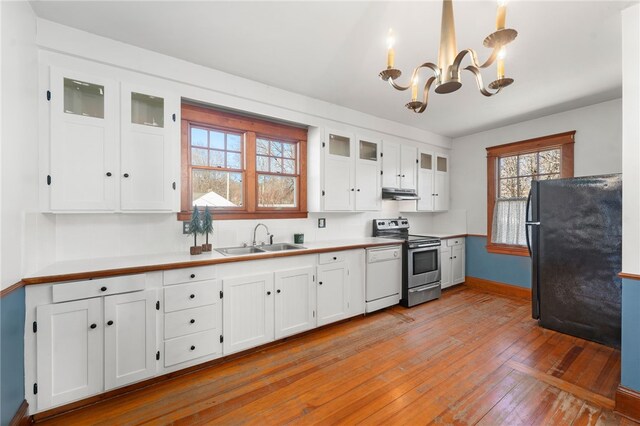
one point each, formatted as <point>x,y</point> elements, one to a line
<point>563,141</point>
<point>251,129</point>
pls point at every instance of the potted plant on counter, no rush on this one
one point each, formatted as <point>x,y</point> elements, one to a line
<point>207,228</point>
<point>195,228</point>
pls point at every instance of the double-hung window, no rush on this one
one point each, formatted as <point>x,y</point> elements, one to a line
<point>511,168</point>
<point>241,167</point>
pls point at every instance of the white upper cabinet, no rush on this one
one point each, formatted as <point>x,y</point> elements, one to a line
<point>433,182</point>
<point>441,200</point>
<point>147,177</point>
<point>339,169</point>
<point>83,166</point>
<point>367,175</point>
<point>110,148</point>
<point>343,171</point>
<point>399,165</point>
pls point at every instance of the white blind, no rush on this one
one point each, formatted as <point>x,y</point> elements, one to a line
<point>508,222</point>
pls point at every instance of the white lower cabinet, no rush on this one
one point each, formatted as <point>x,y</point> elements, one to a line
<point>87,346</point>
<point>129,338</point>
<point>295,302</point>
<point>333,292</point>
<point>248,311</point>
<point>70,351</point>
<point>452,262</point>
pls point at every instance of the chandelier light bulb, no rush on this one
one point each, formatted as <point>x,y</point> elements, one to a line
<point>414,88</point>
<point>390,39</point>
<point>502,53</point>
<point>391,54</point>
<point>502,3</point>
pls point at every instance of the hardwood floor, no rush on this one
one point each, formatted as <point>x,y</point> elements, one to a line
<point>468,358</point>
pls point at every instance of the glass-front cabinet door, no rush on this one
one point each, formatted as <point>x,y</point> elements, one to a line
<point>82,170</point>
<point>367,174</point>
<point>425,181</point>
<point>441,199</point>
<point>148,176</point>
<point>338,179</point>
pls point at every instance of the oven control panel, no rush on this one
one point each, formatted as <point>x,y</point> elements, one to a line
<point>389,224</point>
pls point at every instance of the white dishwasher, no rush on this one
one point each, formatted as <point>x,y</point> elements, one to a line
<point>384,277</point>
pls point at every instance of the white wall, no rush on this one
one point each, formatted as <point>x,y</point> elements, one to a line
<point>19,146</point>
<point>76,236</point>
<point>631,140</point>
<point>598,150</point>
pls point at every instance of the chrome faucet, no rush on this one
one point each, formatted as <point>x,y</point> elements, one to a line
<point>266,229</point>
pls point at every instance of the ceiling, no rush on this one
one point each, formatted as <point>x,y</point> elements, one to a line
<point>567,54</point>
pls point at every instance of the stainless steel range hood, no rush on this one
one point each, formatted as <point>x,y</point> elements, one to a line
<point>398,194</point>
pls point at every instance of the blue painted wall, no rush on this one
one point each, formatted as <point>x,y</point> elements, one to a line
<point>11,354</point>
<point>514,270</point>
<point>631,334</point>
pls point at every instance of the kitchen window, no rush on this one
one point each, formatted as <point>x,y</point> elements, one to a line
<point>510,170</point>
<point>241,167</point>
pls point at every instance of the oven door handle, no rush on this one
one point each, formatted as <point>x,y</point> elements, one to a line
<point>425,288</point>
<point>424,246</point>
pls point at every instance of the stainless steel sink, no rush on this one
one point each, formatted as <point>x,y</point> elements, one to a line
<point>281,247</point>
<point>236,251</point>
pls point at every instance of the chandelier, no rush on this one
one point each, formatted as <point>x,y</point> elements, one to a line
<point>446,74</point>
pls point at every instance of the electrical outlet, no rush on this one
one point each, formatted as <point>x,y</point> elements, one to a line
<point>322,222</point>
<point>186,227</point>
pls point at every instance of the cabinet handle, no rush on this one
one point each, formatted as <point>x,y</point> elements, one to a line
<point>192,296</point>
<point>358,189</point>
<point>103,289</point>
<point>455,257</point>
<point>193,347</point>
<point>192,321</point>
<point>278,291</point>
<point>399,175</point>
<point>320,282</point>
<point>192,275</point>
<point>109,174</point>
<point>92,326</point>
<point>126,175</point>
<point>109,322</point>
<point>268,293</point>
<point>403,176</point>
<point>335,258</point>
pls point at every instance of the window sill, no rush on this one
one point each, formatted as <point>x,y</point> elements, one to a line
<point>507,249</point>
<point>218,215</point>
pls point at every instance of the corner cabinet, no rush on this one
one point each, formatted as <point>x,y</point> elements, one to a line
<point>88,346</point>
<point>452,262</point>
<point>343,171</point>
<point>433,182</point>
<point>111,147</point>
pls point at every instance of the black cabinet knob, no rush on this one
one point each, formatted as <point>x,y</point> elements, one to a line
<point>403,176</point>
<point>268,293</point>
<point>192,321</point>
<point>320,282</point>
<point>335,258</point>
<point>278,291</point>
<point>353,189</point>
<point>109,174</point>
<point>93,326</point>
<point>126,175</point>
<point>109,322</point>
<point>103,289</point>
<point>193,347</point>
<point>192,275</point>
<point>192,296</point>
<point>358,190</point>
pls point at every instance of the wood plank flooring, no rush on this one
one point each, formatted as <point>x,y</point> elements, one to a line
<point>468,358</point>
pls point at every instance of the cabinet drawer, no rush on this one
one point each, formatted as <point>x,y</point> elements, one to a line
<point>185,275</point>
<point>95,288</point>
<point>191,295</point>
<point>190,347</point>
<point>455,242</point>
<point>188,321</point>
<point>334,257</point>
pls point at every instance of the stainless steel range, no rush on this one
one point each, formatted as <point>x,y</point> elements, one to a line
<point>421,261</point>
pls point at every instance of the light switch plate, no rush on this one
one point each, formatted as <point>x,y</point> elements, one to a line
<point>322,222</point>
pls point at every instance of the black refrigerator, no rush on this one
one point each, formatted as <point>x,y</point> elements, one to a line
<point>574,234</point>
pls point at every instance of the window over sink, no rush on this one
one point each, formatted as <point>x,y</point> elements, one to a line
<point>510,170</point>
<point>241,167</point>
